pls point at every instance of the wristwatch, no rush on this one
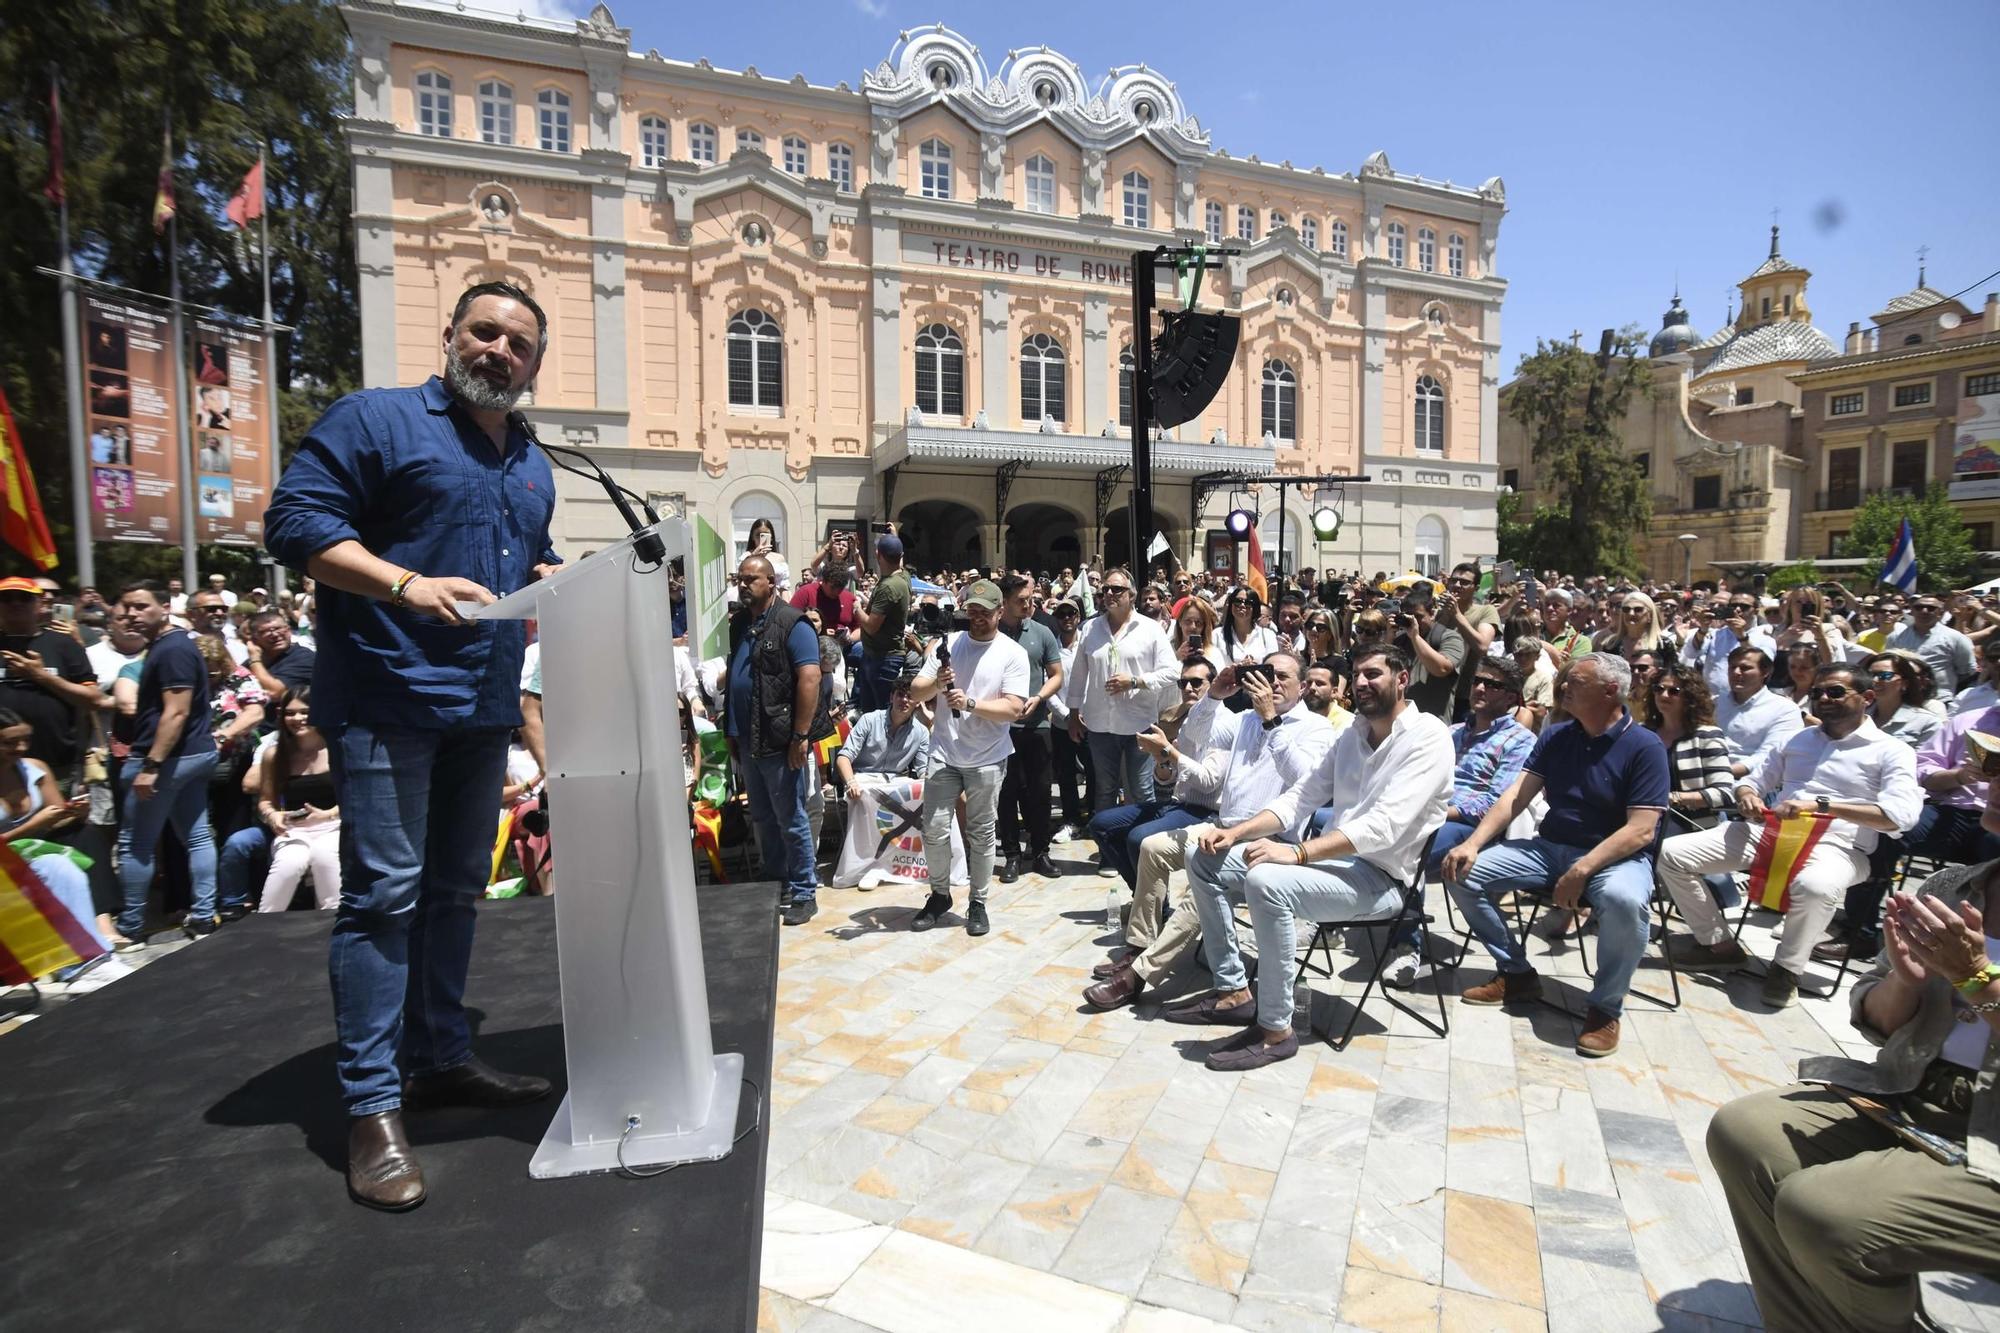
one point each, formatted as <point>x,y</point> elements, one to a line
<point>1271,722</point>
<point>801,735</point>
<point>149,765</point>
<point>1823,805</point>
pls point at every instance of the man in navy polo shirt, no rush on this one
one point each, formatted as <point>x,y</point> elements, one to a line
<point>403,504</point>
<point>1607,782</point>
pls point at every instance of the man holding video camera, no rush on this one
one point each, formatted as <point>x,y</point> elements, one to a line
<point>1435,647</point>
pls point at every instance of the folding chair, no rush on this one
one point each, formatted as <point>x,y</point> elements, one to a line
<point>1409,911</point>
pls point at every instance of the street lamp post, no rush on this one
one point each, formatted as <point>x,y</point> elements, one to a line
<point>1687,540</point>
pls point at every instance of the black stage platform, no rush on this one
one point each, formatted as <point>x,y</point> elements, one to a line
<point>172,1152</point>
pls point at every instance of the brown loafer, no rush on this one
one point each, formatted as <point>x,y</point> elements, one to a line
<point>381,1170</point>
<point>1115,991</point>
<point>1599,1037</point>
<point>1506,988</point>
<point>474,1083</point>
<point>1207,1011</point>
<point>1113,966</point>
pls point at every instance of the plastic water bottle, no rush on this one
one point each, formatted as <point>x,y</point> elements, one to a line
<point>1114,903</point>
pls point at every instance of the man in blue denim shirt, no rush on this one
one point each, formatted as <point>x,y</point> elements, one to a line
<point>403,503</point>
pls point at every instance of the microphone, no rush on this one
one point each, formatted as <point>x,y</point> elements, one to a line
<point>649,547</point>
<point>944,663</point>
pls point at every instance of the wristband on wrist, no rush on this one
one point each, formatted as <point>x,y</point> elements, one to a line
<point>402,588</point>
<point>1300,852</point>
<point>149,765</point>
<point>1979,981</point>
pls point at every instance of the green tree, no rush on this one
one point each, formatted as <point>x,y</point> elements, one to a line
<point>1804,573</point>
<point>1945,554</point>
<point>1532,540</point>
<point>231,73</point>
<point>1572,404</point>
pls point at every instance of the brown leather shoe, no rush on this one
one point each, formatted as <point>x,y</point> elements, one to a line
<point>1506,988</point>
<point>1119,989</point>
<point>1114,965</point>
<point>1599,1037</point>
<point>381,1170</point>
<point>474,1083</point>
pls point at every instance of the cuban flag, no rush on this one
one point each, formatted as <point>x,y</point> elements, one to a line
<point>1900,568</point>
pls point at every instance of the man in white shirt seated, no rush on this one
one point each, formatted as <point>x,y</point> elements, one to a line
<point>1251,758</point>
<point>1844,769</point>
<point>1755,720</point>
<point>1983,693</point>
<point>1388,780</point>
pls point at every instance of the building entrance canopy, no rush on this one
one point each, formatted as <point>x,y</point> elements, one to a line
<point>1080,454</point>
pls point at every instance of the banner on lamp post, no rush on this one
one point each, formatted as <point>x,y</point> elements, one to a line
<point>131,401</point>
<point>233,455</point>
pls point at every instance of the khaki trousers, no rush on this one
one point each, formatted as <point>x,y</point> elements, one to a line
<point>1837,1218</point>
<point>1162,947</point>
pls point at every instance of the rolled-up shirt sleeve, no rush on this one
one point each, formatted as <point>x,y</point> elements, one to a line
<point>1897,792</point>
<point>339,464</point>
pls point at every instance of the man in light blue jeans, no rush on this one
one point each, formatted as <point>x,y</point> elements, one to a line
<point>179,799</point>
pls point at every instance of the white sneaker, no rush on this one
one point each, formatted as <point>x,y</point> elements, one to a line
<point>1063,834</point>
<point>1406,969</point>
<point>108,969</point>
<point>1107,872</point>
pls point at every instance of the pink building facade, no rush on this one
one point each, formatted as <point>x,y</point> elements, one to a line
<point>911,299</point>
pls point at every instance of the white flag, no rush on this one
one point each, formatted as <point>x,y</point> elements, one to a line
<point>1159,547</point>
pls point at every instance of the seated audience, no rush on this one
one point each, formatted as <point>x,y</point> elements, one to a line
<point>1538,682</point>
<point>1606,782</point>
<point>1678,709</point>
<point>297,805</point>
<point>1322,695</point>
<point>1388,781</point>
<point>1184,792</point>
<point>1985,693</point>
<point>1905,706</point>
<point>1844,770</point>
<point>31,806</point>
<point>889,741</point>
<point>1755,720</point>
<point>1838,1214</point>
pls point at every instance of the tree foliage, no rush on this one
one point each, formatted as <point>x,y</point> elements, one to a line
<point>1572,408</point>
<point>1945,554</point>
<point>230,72</point>
<point>1802,574</point>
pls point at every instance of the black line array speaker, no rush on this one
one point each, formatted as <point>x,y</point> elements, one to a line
<point>1191,358</point>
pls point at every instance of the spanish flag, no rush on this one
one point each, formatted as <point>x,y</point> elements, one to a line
<point>37,933</point>
<point>1253,575</point>
<point>22,523</point>
<point>1781,852</point>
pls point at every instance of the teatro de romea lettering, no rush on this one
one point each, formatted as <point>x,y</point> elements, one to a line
<point>912,298</point>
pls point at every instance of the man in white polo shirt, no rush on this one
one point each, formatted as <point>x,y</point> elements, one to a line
<point>1387,780</point>
<point>979,678</point>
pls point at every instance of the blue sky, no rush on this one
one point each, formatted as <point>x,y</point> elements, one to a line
<point>1638,142</point>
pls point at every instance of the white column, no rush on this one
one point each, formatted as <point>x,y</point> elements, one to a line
<point>995,358</point>
<point>885,327</point>
<point>1489,387</point>
<point>1096,353</point>
<point>375,260</point>
<point>607,292</point>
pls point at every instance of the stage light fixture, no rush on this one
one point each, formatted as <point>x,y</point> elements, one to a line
<point>1326,523</point>
<point>1239,523</point>
<point>1191,358</point>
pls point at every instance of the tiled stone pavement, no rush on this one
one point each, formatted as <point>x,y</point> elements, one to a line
<point>956,1145</point>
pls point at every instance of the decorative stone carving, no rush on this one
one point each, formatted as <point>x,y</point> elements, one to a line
<point>1377,165</point>
<point>1093,180</point>
<point>603,26</point>
<point>883,166</point>
<point>992,160</point>
<point>495,210</point>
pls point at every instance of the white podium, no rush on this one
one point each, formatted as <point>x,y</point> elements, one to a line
<point>634,992</point>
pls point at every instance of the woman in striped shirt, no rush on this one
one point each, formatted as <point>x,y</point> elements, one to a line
<point>1677,706</point>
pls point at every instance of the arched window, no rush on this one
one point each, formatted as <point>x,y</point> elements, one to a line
<point>1278,218</point>
<point>1309,232</point>
<point>1214,223</point>
<point>1041,183</point>
<point>797,157</point>
<point>934,165</point>
<point>1427,250</point>
<point>702,142</point>
<point>756,363</point>
<point>1454,252</point>
<point>1042,386</point>
<point>940,372</point>
<point>552,120</point>
<point>1126,368</point>
<point>749,138</point>
<point>1246,223</point>
<point>434,103</point>
<point>749,509</point>
<point>1431,547</point>
<point>840,167</point>
<point>1138,199</point>
<point>1336,237</point>
<point>496,112</point>
<point>1396,236</point>
<point>1430,415</point>
<point>1281,401</point>
<point>652,141</point>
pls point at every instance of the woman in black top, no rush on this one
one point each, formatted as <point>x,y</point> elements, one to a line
<point>297,805</point>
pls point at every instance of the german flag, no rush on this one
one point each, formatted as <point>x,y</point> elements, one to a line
<point>1781,853</point>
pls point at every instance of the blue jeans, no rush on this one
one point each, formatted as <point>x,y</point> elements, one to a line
<point>871,683</point>
<point>778,816</point>
<point>1121,829</point>
<point>1620,896</point>
<point>418,810</point>
<point>180,799</point>
<point>70,887</point>
<point>1120,766</point>
<point>245,857</point>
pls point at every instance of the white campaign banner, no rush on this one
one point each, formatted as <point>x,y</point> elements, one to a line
<point>885,835</point>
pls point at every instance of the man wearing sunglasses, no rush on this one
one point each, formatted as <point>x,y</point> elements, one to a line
<point>1947,652</point>
<point>1719,631</point>
<point>1124,668</point>
<point>1846,772</point>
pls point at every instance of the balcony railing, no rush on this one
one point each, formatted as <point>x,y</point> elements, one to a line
<point>1851,497</point>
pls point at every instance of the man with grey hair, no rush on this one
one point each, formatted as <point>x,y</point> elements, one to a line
<point>1607,781</point>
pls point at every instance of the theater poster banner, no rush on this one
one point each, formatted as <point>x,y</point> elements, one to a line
<point>1975,452</point>
<point>128,371</point>
<point>232,438</point>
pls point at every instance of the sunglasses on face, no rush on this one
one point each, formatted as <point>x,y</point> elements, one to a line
<point>1885,676</point>
<point>1115,590</point>
<point>1667,691</point>
<point>1834,692</point>
<point>1192,682</point>
<point>1489,683</point>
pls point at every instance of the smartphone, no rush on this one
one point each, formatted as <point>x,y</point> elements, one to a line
<point>1503,573</point>
<point>878,528</point>
<point>1533,593</point>
<point>1392,607</point>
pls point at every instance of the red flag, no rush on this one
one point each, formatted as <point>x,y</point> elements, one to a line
<point>22,525</point>
<point>54,189</point>
<point>247,205</point>
<point>163,197</point>
<point>1253,577</point>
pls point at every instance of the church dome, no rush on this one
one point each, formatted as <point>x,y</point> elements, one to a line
<point>1676,334</point>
